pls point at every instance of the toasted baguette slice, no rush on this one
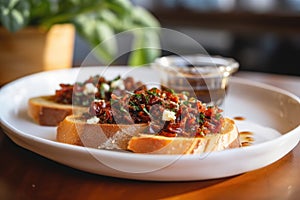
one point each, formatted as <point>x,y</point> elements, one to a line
<point>74,130</point>
<point>45,111</point>
<point>228,138</point>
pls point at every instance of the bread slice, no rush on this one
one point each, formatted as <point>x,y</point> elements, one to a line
<point>228,138</point>
<point>74,130</point>
<point>45,111</point>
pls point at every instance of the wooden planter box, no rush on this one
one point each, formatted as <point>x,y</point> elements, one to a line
<point>32,50</point>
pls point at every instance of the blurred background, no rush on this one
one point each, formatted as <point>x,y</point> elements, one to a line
<point>262,35</point>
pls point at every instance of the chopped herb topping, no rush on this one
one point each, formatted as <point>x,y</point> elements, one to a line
<point>80,94</point>
<point>168,114</point>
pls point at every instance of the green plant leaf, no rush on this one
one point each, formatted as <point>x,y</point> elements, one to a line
<point>146,47</point>
<point>99,35</point>
<point>122,7</point>
<point>143,18</point>
<point>105,42</point>
<point>14,14</point>
<point>95,21</point>
<point>111,19</point>
<point>40,9</point>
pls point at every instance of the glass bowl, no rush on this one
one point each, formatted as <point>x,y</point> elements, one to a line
<point>201,76</point>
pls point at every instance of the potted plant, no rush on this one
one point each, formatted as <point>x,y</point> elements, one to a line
<point>93,20</point>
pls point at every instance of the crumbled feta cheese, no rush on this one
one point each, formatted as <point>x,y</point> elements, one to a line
<point>118,84</point>
<point>99,100</point>
<point>93,120</point>
<point>168,115</point>
<point>89,88</point>
<point>105,87</point>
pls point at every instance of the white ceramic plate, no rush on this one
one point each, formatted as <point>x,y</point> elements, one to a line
<point>271,114</point>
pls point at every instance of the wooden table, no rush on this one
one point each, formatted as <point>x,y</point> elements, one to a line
<point>26,175</point>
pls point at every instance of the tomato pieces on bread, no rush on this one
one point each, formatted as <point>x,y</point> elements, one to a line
<point>75,98</point>
<point>163,122</point>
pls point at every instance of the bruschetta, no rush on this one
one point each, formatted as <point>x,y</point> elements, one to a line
<point>75,98</point>
<point>151,121</point>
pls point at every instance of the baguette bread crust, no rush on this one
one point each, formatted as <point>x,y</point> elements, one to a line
<point>46,112</point>
<point>228,138</point>
<point>74,130</point>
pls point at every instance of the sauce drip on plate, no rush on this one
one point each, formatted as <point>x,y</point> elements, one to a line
<point>246,138</point>
<point>240,118</point>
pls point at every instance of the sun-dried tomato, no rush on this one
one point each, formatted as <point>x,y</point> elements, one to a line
<point>189,117</point>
